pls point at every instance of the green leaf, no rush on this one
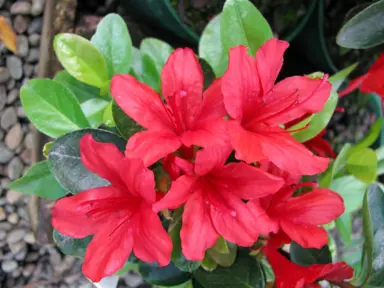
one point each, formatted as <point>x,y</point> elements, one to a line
<point>337,79</point>
<point>208,264</point>
<point>341,159</point>
<point>209,75</point>
<point>344,226</point>
<point>94,110</point>
<point>221,246</point>
<point>107,117</point>
<point>137,64</point>
<point>113,41</point>
<point>187,284</point>
<point>163,276</point>
<point>71,246</point>
<point>150,75</point>
<point>368,140</point>
<point>65,164</point>
<point>81,59</point>
<point>307,257</point>
<point>157,50</point>
<point>246,272</point>
<point>225,259</point>
<point>38,180</point>
<point>363,165</point>
<point>124,124</point>
<point>211,47</point>
<point>128,266</point>
<point>242,23</point>
<point>364,30</point>
<point>52,107</point>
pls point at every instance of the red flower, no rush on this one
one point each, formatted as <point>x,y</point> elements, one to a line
<point>320,146</point>
<point>258,107</point>
<point>300,216</point>
<point>291,275</point>
<point>213,201</point>
<point>371,82</point>
<point>120,216</point>
<point>188,117</point>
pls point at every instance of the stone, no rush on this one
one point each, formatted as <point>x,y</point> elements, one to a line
<point>28,70</point>
<point>15,67</point>
<point>14,137</point>
<point>5,226</point>
<point>21,7</point>
<point>13,218</point>
<point>34,40</point>
<point>5,154</point>
<point>26,156</point>
<point>4,75</point>
<point>3,234</point>
<point>30,238</point>
<point>15,168</point>
<point>22,46</point>
<point>9,118</point>
<point>33,55</point>
<point>9,265</point>
<point>3,215</point>
<point>13,196</point>
<point>35,26</point>
<point>20,24</point>
<point>36,72</point>
<point>37,7</point>
<point>28,270</point>
<point>15,236</point>
<point>2,3</point>
<point>1,135</point>
<point>17,247</point>
<point>12,96</point>
<point>28,141</point>
<point>3,96</point>
<point>11,84</point>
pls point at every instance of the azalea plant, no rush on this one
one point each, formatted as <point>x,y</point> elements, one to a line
<point>201,170</point>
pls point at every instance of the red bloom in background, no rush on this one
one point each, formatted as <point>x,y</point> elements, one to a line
<point>120,216</point>
<point>214,205</point>
<point>300,216</point>
<point>188,117</point>
<point>291,275</point>
<point>320,146</point>
<point>258,107</point>
<point>371,82</point>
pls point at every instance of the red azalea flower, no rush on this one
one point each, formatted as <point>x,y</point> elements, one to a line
<point>371,82</point>
<point>320,146</point>
<point>300,216</point>
<point>258,107</point>
<point>120,216</point>
<point>188,117</point>
<point>213,201</point>
<point>291,275</point>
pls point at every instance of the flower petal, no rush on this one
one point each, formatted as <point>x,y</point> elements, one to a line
<point>151,242</point>
<point>197,232</point>
<point>211,158</point>
<point>269,60</point>
<point>213,103</point>
<point>152,145</point>
<point>241,84</point>
<point>333,272</point>
<point>265,224</point>
<point>180,190</point>
<point>140,102</point>
<point>353,85</point>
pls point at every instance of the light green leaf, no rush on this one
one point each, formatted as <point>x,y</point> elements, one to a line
<point>81,59</point>
<point>363,165</point>
<point>368,140</point>
<point>94,109</point>
<point>114,42</point>
<point>52,107</point>
<point>150,75</point>
<point>338,78</point>
<point>107,117</point>
<point>225,259</point>
<point>157,50</point>
<point>344,226</point>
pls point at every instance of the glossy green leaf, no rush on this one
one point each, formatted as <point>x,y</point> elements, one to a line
<point>380,153</point>
<point>124,124</point>
<point>113,41</point>
<point>52,107</point>
<point>363,164</point>
<point>38,180</point>
<point>211,48</point>
<point>150,75</point>
<point>81,59</point>
<point>107,117</point>
<point>71,246</point>
<point>344,226</point>
<point>246,272</point>
<point>242,23</point>
<point>369,139</point>
<point>208,264</point>
<point>64,160</point>
<point>93,110</point>
<point>225,259</point>
<point>364,30</point>
<point>209,75</point>
<point>221,246</point>
<point>82,91</point>
<point>157,50</point>
<point>337,79</point>
<point>307,257</point>
<point>163,276</point>
<point>137,64</point>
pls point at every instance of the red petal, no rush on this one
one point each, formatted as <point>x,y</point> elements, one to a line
<point>211,158</point>
<point>182,78</point>
<point>197,232</point>
<point>180,190</point>
<point>152,145</point>
<point>102,159</point>
<point>108,251</point>
<point>264,223</point>
<point>140,102</point>
<point>241,84</point>
<point>213,103</point>
<point>246,181</point>
<point>151,242</point>
<point>321,147</point>
<point>269,167</point>
<point>333,272</point>
<point>353,85</point>
<point>373,83</point>
<point>138,180</point>
<point>269,60</point>
<point>69,215</point>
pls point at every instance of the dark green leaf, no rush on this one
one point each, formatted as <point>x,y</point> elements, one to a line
<point>163,276</point>
<point>209,75</point>
<point>52,107</point>
<point>64,160</point>
<point>71,246</point>
<point>157,50</point>
<point>150,75</point>
<point>38,180</point>
<point>94,110</point>
<point>126,125</point>
<point>363,164</point>
<point>246,272</point>
<point>113,40</point>
<point>223,259</point>
<point>242,23</point>
<point>364,30</point>
<point>307,257</point>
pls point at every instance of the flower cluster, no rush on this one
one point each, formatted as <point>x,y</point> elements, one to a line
<point>239,196</point>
